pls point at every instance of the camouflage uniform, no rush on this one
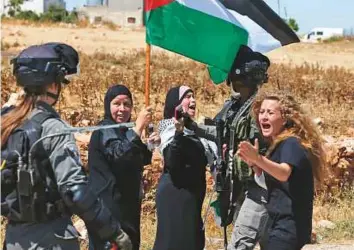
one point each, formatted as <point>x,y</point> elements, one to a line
<point>251,216</point>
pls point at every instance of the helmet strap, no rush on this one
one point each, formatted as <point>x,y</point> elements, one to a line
<point>55,96</point>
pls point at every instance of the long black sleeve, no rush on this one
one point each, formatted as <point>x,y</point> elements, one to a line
<point>123,144</point>
<point>207,132</point>
<point>185,160</point>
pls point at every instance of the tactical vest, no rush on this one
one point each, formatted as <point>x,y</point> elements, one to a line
<point>28,188</point>
<point>238,118</point>
<point>244,130</point>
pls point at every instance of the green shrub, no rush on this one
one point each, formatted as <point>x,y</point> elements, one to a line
<point>71,18</point>
<point>54,14</point>
<point>334,39</point>
<point>27,15</point>
<point>58,14</point>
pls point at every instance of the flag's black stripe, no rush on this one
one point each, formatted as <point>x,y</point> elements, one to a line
<point>264,16</point>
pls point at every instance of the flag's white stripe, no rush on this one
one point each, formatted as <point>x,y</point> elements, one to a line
<point>212,8</point>
<point>259,40</point>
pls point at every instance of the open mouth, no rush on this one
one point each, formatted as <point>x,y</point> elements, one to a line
<point>265,126</point>
<point>192,107</point>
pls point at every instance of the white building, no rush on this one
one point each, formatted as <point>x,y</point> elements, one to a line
<point>320,34</point>
<point>125,13</point>
<point>37,6</point>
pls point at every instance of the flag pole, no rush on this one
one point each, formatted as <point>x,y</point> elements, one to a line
<point>147,75</point>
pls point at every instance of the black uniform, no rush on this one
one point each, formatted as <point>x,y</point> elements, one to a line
<point>116,160</point>
<point>249,69</point>
<point>63,172</point>
<point>44,188</point>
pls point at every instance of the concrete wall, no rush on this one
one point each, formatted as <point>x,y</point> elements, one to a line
<point>127,18</point>
<point>121,18</point>
<point>124,5</point>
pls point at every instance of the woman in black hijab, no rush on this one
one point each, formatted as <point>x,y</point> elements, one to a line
<point>182,185</point>
<point>116,160</point>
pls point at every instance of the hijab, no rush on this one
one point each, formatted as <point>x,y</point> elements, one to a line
<point>167,128</point>
<point>112,93</point>
<point>174,98</point>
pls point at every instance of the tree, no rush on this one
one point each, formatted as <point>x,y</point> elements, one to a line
<point>27,15</point>
<point>14,7</point>
<point>55,14</point>
<point>293,24</point>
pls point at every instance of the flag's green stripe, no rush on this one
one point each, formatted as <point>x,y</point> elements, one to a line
<point>217,75</point>
<point>195,34</point>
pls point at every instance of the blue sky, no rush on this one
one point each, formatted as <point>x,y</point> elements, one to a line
<point>317,13</point>
<point>308,13</point>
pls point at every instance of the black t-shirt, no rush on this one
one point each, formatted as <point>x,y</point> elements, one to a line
<point>290,203</point>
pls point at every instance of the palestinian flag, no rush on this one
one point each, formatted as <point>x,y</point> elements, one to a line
<point>203,30</point>
<point>260,14</point>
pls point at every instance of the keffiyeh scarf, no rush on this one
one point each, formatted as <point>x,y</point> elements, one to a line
<point>167,130</point>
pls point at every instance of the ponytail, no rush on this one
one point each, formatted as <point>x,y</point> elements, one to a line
<point>13,119</point>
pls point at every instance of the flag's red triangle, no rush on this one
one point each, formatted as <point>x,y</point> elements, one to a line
<point>153,4</point>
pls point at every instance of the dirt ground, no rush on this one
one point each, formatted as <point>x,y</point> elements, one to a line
<point>103,39</point>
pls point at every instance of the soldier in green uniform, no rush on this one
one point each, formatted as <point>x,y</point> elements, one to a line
<point>248,198</point>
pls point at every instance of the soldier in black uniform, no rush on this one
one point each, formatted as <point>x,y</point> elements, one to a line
<point>248,73</point>
<point>44,183</point>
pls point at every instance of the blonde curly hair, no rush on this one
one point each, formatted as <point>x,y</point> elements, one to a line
<point>298,124</point>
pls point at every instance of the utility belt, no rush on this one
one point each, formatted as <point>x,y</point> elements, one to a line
<point>49,211</point>
<point>29,198</point>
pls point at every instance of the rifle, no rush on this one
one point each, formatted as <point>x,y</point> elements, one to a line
<point>228,188</point>
<point>223,182</point>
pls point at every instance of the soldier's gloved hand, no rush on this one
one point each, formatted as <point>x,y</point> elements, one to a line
<point>123,241</point>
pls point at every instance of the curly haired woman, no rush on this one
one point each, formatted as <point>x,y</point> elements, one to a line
<point>294,159</point>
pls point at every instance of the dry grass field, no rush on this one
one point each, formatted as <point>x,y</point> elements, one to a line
<point>320,76</point>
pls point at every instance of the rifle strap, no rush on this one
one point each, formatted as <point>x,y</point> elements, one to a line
<point>242,110</point>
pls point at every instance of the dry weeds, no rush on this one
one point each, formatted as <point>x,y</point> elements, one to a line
<point>326,93</point>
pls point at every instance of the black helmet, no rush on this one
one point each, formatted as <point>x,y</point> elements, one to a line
<point>39,65</point>
<point>249,68</point>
